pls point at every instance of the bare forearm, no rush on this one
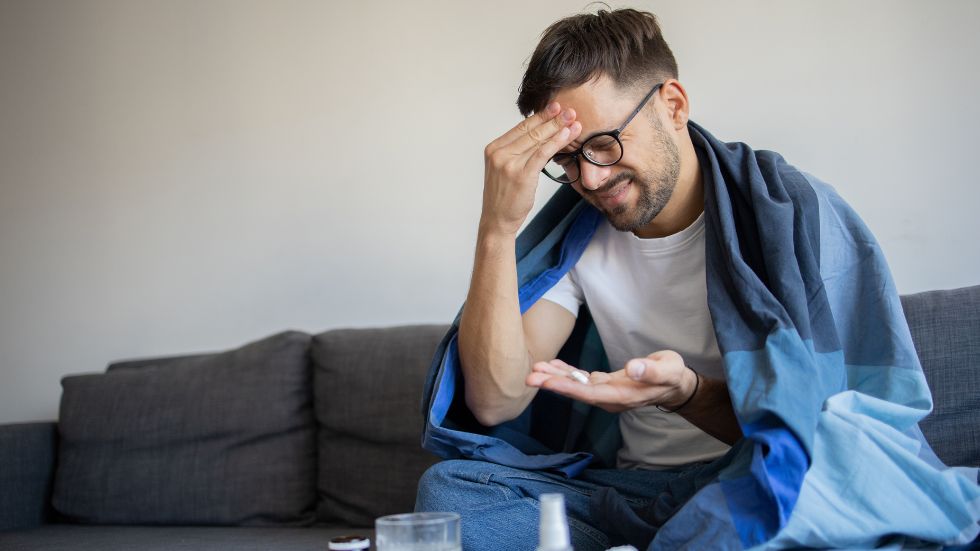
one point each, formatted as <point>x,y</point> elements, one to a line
<point>710,409</point>
<point>492,347</point>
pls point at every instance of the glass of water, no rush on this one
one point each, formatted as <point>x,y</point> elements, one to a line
<point>418,532</point>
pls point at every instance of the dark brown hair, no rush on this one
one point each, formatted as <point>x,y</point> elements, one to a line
<point>625,44</point>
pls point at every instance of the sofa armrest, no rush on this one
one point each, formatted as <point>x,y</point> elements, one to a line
<point>27,461</point>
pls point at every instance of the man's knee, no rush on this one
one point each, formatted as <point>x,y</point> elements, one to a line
<point>439,485</point>
<point>457,484</point>
<point>436,475</point>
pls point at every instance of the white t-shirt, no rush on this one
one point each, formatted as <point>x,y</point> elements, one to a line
<point>647,295</point>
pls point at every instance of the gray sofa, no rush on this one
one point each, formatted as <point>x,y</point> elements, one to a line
<point>288,441</point>
<point>280,444</point>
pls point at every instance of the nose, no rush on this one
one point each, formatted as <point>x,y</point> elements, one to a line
<point>592,176</point>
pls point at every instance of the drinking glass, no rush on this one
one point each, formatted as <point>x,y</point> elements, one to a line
<point>418,532</point>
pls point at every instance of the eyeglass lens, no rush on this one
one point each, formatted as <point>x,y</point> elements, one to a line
<point>602,150</point>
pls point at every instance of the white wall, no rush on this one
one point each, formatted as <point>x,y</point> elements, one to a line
<point>187,176</point>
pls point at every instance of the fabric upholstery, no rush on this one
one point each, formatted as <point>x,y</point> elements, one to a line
<point>186,418</point>
<point>27,458</point>
<point>370,459</point>
<point>63,537</point>
<point>225,441</point>
<point>185,359</point>
<point>945,328</point>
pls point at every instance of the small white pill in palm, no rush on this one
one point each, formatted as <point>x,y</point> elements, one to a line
<point>580,377</point>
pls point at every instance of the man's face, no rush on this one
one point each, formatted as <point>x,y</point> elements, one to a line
<point>632,192</point>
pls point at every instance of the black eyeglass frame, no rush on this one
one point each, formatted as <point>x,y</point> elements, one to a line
<point>580,152</point>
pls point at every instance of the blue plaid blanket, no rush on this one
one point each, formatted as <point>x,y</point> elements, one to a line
<point>818,359</point>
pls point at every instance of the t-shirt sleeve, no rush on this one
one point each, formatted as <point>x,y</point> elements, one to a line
<point>566,293</point>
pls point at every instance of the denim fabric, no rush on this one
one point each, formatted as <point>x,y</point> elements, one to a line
<point>500,509</point>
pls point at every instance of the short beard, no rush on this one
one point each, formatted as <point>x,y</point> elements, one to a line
<point>654,186</point>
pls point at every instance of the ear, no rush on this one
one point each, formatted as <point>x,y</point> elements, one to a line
<point>678,106</point>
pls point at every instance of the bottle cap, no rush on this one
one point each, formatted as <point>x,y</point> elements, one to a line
<point>349,543</point>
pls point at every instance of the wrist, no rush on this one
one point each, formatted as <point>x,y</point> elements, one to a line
<point>686,389</point>
<point>493,230</point>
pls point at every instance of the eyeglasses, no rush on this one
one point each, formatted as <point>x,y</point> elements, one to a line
<point>602,149</point>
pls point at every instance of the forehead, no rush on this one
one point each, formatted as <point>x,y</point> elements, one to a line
<point>599,104</point>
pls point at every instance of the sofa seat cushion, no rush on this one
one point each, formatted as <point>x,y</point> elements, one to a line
<point>945,328</point>
<point>228,439</point>
<point>27,459</point>
<point>67,537</point>
<point>368,387</point>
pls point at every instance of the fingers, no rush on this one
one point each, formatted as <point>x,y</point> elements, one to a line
<point>537,379</point>
<point>656,369</point>
<point>606,396</point>
<point>540,156</point>
<point>561,384</point>
<point>528,124</point>
<point>660,378</point>
<point>636,369</point>
<point>510,184</point>
<point>556,366</point>
<point>532,131</point>
<point>533,137</point>
<point>600,378</point>
<point>559,368</point>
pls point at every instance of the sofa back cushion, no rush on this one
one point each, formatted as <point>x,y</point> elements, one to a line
<point>368,386</point>
<point>223,439</point>
<point>945,328</point>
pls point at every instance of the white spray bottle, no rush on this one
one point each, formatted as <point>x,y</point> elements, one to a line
<point>553,527</point>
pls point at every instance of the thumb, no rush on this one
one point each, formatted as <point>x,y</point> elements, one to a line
<point>651,368</point>
<point>635,369</point>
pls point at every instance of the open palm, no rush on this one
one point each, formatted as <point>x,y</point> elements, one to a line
<point>657,383</point>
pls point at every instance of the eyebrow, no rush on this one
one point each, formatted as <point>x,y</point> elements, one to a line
<point>573,145</point>
<point>594,134</point>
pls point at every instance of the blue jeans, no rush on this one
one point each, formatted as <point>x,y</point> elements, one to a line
<point>499,505</point>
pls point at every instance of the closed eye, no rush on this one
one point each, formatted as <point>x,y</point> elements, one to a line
<point>564,159</point>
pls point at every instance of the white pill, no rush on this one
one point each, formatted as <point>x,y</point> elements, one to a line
<point>580,377</point>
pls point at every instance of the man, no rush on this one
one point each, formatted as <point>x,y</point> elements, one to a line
<point>705,271</point>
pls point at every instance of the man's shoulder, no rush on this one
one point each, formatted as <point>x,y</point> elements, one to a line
<point>796,182</point>
<point>800,186</point>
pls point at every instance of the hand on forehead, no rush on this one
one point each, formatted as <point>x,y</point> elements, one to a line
<point>599,104</point>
